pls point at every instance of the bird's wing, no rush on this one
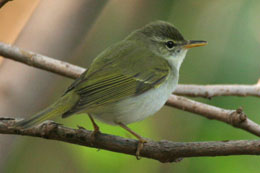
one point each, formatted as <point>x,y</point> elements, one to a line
<point>124,70</point>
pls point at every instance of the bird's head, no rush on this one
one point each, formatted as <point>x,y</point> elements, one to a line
<point>165,40</point>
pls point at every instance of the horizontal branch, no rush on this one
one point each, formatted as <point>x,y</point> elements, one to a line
<point>73,71</point>
<point>163,151</point>
<point>209,91</point>
<point>40,61</point>
<point>233,117</point>
<point>236,118</point>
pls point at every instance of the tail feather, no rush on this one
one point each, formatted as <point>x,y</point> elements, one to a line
<point>38,118</point>
<point>61,106</point>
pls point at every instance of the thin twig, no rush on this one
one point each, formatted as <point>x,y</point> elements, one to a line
<point>209,91</point>
<point>236,118</point>
<point>3,2</point>
<point>163,151</point>
<point>73,71</point>
<point>233,117</point>
<point>40,61</point>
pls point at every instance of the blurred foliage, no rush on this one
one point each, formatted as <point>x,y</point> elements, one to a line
<point>232,30</point>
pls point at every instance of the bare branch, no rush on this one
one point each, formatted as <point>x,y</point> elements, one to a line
<point>209,91</point>
<point>163,151</point>
<point>73,71</point>
<point>3,2</point>
<point>234,117</point>
<point>237,118</point>
<point>211,112</point>
<point>40,61</point>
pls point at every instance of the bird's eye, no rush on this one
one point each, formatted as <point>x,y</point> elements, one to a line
<point>170,44</point>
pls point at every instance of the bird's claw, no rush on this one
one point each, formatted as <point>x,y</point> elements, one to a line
<point>94,135</point>
<point>140,146</point>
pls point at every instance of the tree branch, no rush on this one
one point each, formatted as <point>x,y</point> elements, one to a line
<point>163,151</point>
<point>40,61</point>
<point>3,2</point>
<point>73,71</point>
<point>209,91</point>
<point>236,118</point>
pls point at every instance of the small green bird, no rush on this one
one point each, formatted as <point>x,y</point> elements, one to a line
<point>127,82</point>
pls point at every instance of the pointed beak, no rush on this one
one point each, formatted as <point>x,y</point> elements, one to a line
<point>195,43</point>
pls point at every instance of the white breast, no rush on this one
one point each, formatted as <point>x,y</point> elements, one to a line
<point>139,107</point>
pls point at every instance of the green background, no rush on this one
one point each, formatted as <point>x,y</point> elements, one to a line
<point>231,57</point>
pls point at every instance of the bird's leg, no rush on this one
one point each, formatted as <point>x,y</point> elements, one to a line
<point>140,143</point>
<point>96,128</point>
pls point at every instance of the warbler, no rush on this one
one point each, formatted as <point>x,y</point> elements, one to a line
<point>127,82</point>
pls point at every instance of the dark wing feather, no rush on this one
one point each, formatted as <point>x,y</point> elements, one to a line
<point>76,82</point>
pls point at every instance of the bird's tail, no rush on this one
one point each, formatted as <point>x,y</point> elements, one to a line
<point>61,106</point>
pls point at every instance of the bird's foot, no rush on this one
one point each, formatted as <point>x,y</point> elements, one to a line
<point>140,146</point>
<point>94,134</point>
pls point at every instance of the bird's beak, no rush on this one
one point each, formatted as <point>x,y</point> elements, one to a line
<point>195,43</point>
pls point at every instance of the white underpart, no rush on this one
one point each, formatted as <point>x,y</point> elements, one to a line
<point>139,107</point>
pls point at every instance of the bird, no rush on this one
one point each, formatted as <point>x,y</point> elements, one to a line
<point>127,82</point>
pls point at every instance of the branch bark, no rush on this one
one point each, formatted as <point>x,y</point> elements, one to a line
<point>209,91</point>
<point>73,72</point>
<point>40,61</point>
<point>3,2</point>
<point>236,118</point>
<point>163,151</point>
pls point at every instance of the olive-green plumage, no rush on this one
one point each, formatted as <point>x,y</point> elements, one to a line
<point>128,81</point>
<point>115,76</point>
<point>61,106</point>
